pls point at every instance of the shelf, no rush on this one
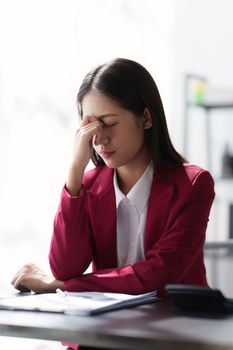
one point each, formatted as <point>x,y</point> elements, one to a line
<point>199,94</point>
<point>217,105</point>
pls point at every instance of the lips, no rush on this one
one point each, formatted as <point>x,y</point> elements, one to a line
<point>106,154</point>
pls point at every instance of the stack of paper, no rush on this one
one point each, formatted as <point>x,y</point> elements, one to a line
<point>83,303</point>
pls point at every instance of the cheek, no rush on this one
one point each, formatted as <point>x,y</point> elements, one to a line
<point>128,135</point>
<point>132,140</point>
<point>136,133</point>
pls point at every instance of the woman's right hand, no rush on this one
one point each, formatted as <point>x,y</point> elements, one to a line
<point>89,127</point>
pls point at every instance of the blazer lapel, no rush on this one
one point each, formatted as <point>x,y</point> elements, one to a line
<point>158,208</point>
<point>102,208</point>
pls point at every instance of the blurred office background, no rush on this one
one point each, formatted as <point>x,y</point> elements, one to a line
<point>46,48</point>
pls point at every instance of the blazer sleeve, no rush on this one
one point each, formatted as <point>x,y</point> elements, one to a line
<point>171,258</point>
<point>70,248</point>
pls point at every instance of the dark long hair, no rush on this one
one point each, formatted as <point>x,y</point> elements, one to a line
<point>132,86</point>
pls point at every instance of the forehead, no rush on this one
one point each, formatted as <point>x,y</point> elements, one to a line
<point>96,104</point>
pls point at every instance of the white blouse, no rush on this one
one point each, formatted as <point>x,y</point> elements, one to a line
<point>131,218</point>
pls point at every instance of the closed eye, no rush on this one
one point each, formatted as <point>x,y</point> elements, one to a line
<point>108,125</point>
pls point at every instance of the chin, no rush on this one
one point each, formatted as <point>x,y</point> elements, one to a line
<point>111,164</point>
<point>114,164</point>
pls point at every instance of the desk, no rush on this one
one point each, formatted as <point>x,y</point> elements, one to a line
<point>155,326</point>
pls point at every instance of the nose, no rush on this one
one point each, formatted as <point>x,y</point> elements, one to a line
<point>101,140</point>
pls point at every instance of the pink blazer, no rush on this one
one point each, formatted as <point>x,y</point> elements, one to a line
<point>85,232</point>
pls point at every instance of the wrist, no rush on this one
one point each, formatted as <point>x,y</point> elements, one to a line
<point>74,180</point>
<point>56,284</point>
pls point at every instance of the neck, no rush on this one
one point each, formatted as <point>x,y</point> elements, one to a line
<point>127,176</point>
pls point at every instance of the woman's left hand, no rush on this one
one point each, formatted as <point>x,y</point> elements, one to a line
<point>32,278</point>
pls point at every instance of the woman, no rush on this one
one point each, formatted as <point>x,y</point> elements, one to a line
<point>140,215</point>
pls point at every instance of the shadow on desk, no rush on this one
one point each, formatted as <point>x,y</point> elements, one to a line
<point>204,315</point>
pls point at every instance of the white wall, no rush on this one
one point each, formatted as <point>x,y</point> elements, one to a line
<point>47,47</point>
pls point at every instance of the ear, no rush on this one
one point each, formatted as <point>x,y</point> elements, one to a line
<point>147,119</point>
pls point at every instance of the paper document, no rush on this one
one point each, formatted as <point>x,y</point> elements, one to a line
<point>82,303</point>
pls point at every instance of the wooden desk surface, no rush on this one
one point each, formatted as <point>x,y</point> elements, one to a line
<point>156,326</point>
